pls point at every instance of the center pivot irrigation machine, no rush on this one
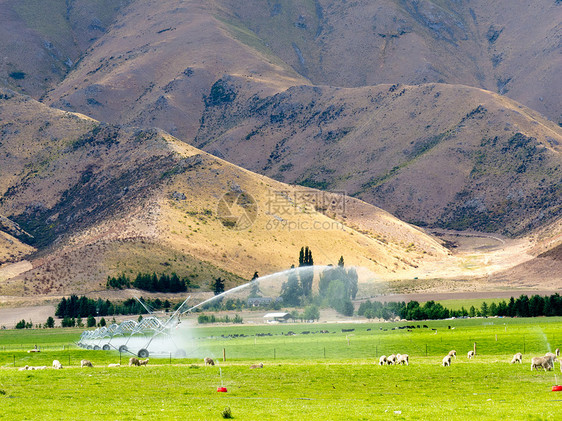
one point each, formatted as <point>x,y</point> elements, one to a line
<point>149,335</point>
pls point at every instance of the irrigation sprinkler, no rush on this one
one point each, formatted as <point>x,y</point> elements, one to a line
<point>135,337</point>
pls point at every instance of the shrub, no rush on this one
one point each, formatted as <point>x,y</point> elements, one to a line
<point>227,413</point>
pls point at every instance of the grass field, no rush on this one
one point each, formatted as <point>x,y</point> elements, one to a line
<point>315,376</point>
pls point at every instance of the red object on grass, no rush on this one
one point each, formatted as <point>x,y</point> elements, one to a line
<point>221,389</point>
<point>557,388</point>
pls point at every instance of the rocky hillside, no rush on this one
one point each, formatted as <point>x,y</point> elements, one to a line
<point>434,154</point>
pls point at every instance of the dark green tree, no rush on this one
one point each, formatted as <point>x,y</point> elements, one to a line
<point>291,291</point>
<point>218,286</point>
<point>50,323</point>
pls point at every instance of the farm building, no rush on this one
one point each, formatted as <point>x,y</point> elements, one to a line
<point>277,317</point>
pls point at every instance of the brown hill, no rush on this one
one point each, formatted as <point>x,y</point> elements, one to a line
<point>100,200</point>
<point>42,40</point>
<point>439,155</point>
<point>156,65</point>
<point>509,46</point>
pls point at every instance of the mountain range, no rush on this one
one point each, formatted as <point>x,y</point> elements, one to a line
<point>124,126</point>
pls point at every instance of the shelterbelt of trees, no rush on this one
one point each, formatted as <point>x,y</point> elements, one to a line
<point>523,306</point>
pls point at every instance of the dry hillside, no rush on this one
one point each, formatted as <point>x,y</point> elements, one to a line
<point>99,200</point>
<point>435,154</point>
<point>508,46</point>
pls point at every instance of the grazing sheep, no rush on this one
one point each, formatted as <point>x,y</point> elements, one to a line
<point>23,368</point>
<point>260,365</point>
<point>382,360</point>
<point>143,362</point>
<point>114,365</point>
<point>42,367</point>
<point>470,354</point>
<point>545,362</point>
<point>403,359</point>
<point>209,361</point>
<point>452,353</point>
<point>550,354</point>
<point>134,361</point>
<point>391,360</point>
<point>447,361</point>
<point>517,358</point>
<point>57,365</point>
<point>86,363</point>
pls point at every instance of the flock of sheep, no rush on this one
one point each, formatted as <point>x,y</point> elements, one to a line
<point>546,362</point>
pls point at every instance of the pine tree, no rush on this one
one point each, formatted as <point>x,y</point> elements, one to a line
<point>218,286</point>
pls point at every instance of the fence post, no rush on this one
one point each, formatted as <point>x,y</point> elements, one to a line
<point>273,353</point>
<point>170,358</point>
<point>224,354</point>
<point>324,352</point>
<point>426,350</point>
<point>474,348</point>
<point>14,360</point>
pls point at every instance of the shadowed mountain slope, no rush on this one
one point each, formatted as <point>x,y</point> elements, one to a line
<point>435,154</point>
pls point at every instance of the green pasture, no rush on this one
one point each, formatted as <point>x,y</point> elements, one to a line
<point>320,376</point>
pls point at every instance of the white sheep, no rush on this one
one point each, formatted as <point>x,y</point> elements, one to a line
<point>86,363</point>
<point>403,359</point>
<point>143,362</point>
<point>382,360</point>
<point>23,368</point>
<point>517,358</point>
<point>446,361</point>
<point>452,353</point>
<point>209,361</point>
<point>546,362</point>
<point>391,359</point>
<point>470,354</point>
<point>114,365</point>
<point>57,365</point>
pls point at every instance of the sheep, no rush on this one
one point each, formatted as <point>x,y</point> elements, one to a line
<point>42,367</point>
<point>550,354</point>
<point>86,363</point>
<point>452,353</point>
<point>403,359</point>
<point>114,365</point>
<point>143,362</point>
<point>447,361</point>
<point>209,361</point>
<point>382,360</point>
<point>57,365</point>
<point>134,361</point>
<point>517,358</point>
<point>23,368</point>
<point>546,362</point>
<point>391,359</point>
<point>260,365</point>
<point>470,354</point>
